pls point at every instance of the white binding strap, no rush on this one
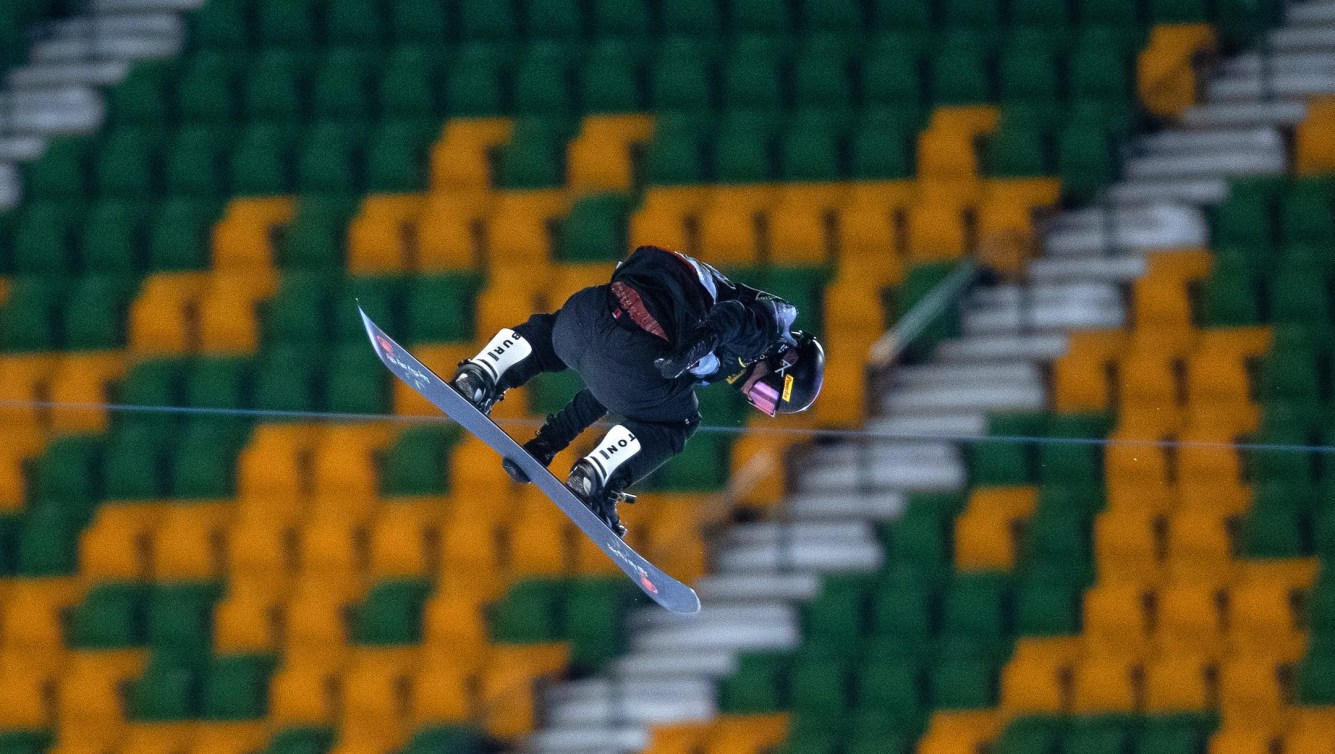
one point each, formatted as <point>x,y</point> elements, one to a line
<point>616,447</point>
<point>505,350</point>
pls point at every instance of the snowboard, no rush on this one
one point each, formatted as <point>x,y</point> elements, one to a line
<point>660,587</point>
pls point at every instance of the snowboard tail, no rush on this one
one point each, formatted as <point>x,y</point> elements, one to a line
<point>662,588</point>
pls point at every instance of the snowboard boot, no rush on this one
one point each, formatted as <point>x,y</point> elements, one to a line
<point>476,386</point>
<point>592,490</point>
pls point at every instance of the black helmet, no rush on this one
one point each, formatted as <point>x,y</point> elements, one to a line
<point>788,380</point>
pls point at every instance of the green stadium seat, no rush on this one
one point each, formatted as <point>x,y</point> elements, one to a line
<point>156,382</point>
<point>417,463</point>
<point>355,381</point>
<point>1276,532</point>
<point>261,162</point>
<point>681,77</point>
<point>315,239</point>
<point>95,312</point>
<point>48,543</point>
<point>1291,372</point>
<point>1058,531</point>
<point>756,686</point>
<point>63,170</point>
<point>1020,148</point>
<point>44,238</point>
<point>902,610</point>
<point>1229,297</point>
<point>276,85</point>
<point>811,149</point>
<point>205,466</point>
<point>381,297</point>
<point>1033,735</point>
<point>287,378</point>
<point>180,236</point>
<point>454,739</point>
<point>310,740</point>
<point>396,157</point>
<point>1029,69</point>
<point>196,161</point>
<point>530,612</point>
<point>595,230</point>
<point>1306,215</point>
<point>921,280</point>
<point>554,19</point>
<point>11,527</point>
<point>1099,67</point>
<point>773,17</point>
<point>137,463</point>
<point>31,317</point>
<point>112,240</point>
<point>982,15</point>
<point>595,620</point>
<point>962,682</point>
<point>1178,11</point>
<point>701,467</point>
<point>167,691</point>
<point>823,75</point>
<point>1085,159</point>
<point>127,165</point>
<point>144,97</point>
<point>1298,294</point>
<point>551,391</point>
<point>1240,22</point>
<point>418,21</point>
<point>1005,462</point>
<point>207,91</point>
<point>392,613</point>
<point>621,19</point>
<point>220,23</point>
<point>343,87</point>
<point>1040,13</point>
<point>1316,679</point>
<point>180,619</point>
<point>692,18</point>
<point>744,150</point>
<point>677,153</point>
<point>476,84</point>
<point>490,20</point>
<point>24,742</point>
<point>544,82</point>
<point>292,24</point>
<point>1247,217</point>
<point>903,15</point>
<point>1047,601</point>
<point>810,735</point>
<point>330,160</point>
<point>1096,736</point>
<point>1268,464</point>
<point>1168,735</point>
<point>410,83</point>
<point>354,22</point>
<point>111,616</point>
<point>535,157</point>
<point>236,687</point>
<point>839,613</point>
<point>919,544</point>
<point>976,606</point>
<point>961,70</point>
<point>820,685</point>
<point>300,312</point>
<point>881,146</point>
<point>893,686</point>
<point>754,75</point>
<point>440,308</point>
<point>610,80</point>
<point>840,17</point>
<point>891,73</point>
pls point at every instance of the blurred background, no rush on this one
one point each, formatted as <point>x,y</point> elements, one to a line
<point>1068,489</point>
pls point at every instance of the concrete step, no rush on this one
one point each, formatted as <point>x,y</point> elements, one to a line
<point>650,664</point>
<point>834,506</point>
<point>758,587</point>
<point>1100,230</point>
<point>1302,38</point>
<point>1120,268</point>
<point>50,111</point>
<point>1168,190</point>
<point>1311,13</point>
<point>1282,113</point>
<point>738,628</point>
<point>886,467</point>
<point>50,75</point>
<point>1280,85</point>
<point>947,374</point>
<point>1029,346</point>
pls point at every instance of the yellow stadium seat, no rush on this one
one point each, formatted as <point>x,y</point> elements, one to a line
<point>1104,684</point>
<point>475,471</point>
<point>405,540</point>
<point>1126,544</point>
<point>936,231</point>
<point>541,538</point>
<point>32,616</point>
<point>678,738</point>
<point>1314,142</point>
<point>572,278</point>
<point>520,229</point>
<point>507,711</point>
<point>732,226</point>
<point>1263,619</point>
<point>159,320</point>
<point>948,153</point>
<point>453,623</point>
<point>462,157</point>
<point>1313,731</point>
<point>1243,740</point>
<point>668,217</point>
<point>1190,619</point>
<point>263,549</point>
<point>157,738</point>
<point>451,233</point>
<point>374,709</point>
<point>83,378</point>
<point>1178,683</point>
<point>345,461</point>
<point>746,734</point>
<point>601,156</point>
<point>243,240</point>
<point>985,533</point>
<point>1147,378</point>
<point>1080,376</point>
<point>849,298</point>
<point>331,549</point>
<point>115,546</point>
<point>229,738</point>
<point>27,697</point>
<point>507,301</point>
<point>441,358</point>
<point>271,466</point>
<point>1135,467</point>
<point>1034,681</point>
<point>90,710</point>
<point>439,690</point>
<point>801,230</point>
<point>1251,693</point>
<point>229,311</point>
<point>23,378</point>
<point>1205,461</point>
<point>316,627</point>
<point>382,237</point>
<point>1200,547</point>
<point>302,695</point>
<point>959,731</point>
<point>1117,620</point>
<point>1166,69</point>
<point>246,621</point>
<point>473,550</point>
<point>189,543</point>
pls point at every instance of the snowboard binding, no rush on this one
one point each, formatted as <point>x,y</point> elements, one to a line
<point>587,484</point>
<point>476,386</point>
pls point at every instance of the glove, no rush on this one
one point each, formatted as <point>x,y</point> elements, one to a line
<point>701,343</point>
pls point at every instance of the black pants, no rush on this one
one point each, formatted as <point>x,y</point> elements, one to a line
<point>659,440</point>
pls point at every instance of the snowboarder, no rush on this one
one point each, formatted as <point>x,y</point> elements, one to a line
<point>642,343</point>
